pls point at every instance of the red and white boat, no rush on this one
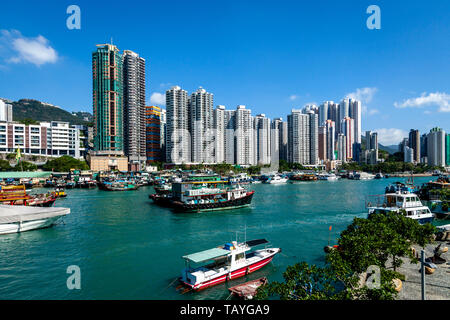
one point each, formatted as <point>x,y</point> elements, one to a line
<point>231,261</point>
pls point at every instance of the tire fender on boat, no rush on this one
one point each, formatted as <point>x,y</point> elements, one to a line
<point>247,271</point>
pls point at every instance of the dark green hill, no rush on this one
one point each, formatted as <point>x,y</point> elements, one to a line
<point>26,109</point>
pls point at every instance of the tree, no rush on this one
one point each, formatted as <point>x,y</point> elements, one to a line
<point>64,164</point>
<point>365,242</point>
<point>4,165</point>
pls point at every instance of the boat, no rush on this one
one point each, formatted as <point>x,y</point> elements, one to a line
<point>209,196</point>
<point>241,178</point>
<point>17,196</point>
<point>363,176</point>
<point>379,175</point>
<point>304,177</point>
<point>328,177</point>
<point>60,193</point>
<point>118,185</point>
<point>248,289</point>
<point>440,209</point>
<point>276,179</point>
<point>403,202</point>
<point>15,219</point>
<point>231,261</point>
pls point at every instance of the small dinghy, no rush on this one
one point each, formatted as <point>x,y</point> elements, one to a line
<point>248,289</point>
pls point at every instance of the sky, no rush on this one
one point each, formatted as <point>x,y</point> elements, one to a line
<point>271,56</point>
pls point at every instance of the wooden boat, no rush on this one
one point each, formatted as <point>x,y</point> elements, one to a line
<point>303,177</point>
<point>248,289</point>
<point>17,195</point>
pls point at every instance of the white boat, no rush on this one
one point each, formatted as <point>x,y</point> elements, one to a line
<point>403,202</point>
<point>277,179</point>
<point>230,261</point>
<point>363,176</point>
<point>15,219</point>
<point>328,177</point>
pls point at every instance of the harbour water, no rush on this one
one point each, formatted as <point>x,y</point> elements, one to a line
<point>129,248</point>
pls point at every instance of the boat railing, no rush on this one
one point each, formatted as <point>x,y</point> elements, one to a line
<point>378,201</point>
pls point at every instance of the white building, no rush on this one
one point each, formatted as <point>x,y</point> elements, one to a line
<point>436,147</point>
<point>244,134</point>
<point>262,141</point>
<point>299,138</point>
<point>6,112</point>
<point>178,140</point>
<point>219,127</point>
<point>201,125</point>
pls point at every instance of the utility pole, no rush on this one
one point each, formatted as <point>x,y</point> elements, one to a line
<point>422,269</point>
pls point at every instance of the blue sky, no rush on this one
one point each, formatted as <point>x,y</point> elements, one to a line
<point>271,56</point>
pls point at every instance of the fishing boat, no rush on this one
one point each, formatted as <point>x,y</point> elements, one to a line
<point>241,178</point>
<point>118,185</point>
<point>379,175</point>
<point>17,196</point>
<point>15,219</point>
<point>304,177</point>
<point>403,202</point>
<point>276,179</point>
<point>60,193</point>
<point>209,196</point>
<point>231,261</point>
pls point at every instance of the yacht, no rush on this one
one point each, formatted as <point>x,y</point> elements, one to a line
<point>400,201</point>
<point>363,176</point>
<point>276,179</point>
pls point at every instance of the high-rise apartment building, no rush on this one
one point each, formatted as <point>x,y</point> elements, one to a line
<point>436,147</point>
<point>153,133</point>
<point>244,134</point>
<point>414,143</point>
<point>299,137</point>
<point>163,130</point>
<point>201,125</point>
<point>107,75</point>
<point>322,143</point>
<point>134,109</point>
<point>262,142</point>
<point>341,145</point>
<point>348,129</point>
<point>178,140</point>
<point>331,134</point>
<point>344,112</point>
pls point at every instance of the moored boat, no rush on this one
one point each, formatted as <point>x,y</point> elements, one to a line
<point>17,196</point>
<point>15,219</point>
<point>119,185</point>
<point>276,179</point>
<point>231,261</point>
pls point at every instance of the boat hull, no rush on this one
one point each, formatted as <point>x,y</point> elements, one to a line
<point>8,228</point>
<point>225,205</point>
<point>233,275</point>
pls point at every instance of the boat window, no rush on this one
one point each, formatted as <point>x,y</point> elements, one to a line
<point>240,256</point>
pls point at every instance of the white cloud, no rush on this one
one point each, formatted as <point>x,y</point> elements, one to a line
<point>293,97</point>
<point>158,99</point>
<point>373,111</point>
<point>440,99</point>
<point>364,95</point>
<point>390,136</point>
<point>20,49</point>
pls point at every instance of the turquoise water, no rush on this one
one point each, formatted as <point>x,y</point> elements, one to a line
<point>128,248</point>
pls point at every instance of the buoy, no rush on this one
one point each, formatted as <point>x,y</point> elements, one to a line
<point>397,284</point>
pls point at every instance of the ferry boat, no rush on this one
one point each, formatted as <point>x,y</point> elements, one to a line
<point>400,201</point>
<point>276,179</point>
<point>241,178</point>
<point>231,261</point>
<point>208,196</point>
<point>14,219</point>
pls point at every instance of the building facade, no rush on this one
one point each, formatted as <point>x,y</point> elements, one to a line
<point>153,134</point>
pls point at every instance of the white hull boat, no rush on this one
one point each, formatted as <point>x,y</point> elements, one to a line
<point>14,219</point>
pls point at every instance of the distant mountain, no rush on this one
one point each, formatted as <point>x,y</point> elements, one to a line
<point>26,109</point>
<point>390,149</point>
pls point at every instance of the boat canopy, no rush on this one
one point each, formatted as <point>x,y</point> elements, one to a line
<point>12,214</point>
<point>206,255</point>
<point>252,243</point>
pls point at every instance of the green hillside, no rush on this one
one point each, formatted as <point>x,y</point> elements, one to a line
<point>28,109</point>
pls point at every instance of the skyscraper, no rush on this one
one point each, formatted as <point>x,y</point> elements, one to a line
<point>331,133</point>
<point>436,147</point>
<point>414,143</point>
<point>6,112</point>
<point>343,113</point>
<point>107,78</point>
<point>348,129</point>
<point>299,137</point>
<point>201,119</point>
<point>244,136</point>
<point>262,141</point>
<point>153,133</point>
<point>134,117</point>
<point>219,127</point>
<point>178,140</point>
<point>322,143</point>
<point>230,139</point>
